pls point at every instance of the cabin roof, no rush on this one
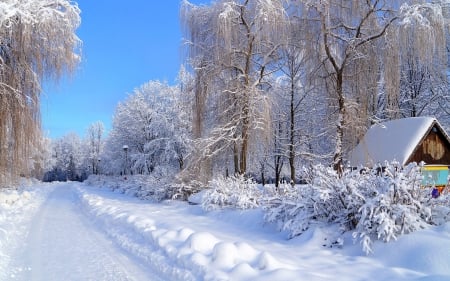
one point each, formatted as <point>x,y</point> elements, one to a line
<point>391,141</point>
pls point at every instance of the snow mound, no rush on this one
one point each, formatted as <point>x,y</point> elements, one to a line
<point>182,253</point>
<point>426,251</point>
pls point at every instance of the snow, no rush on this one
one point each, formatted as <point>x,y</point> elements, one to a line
<point>70,231</point>
<point>390,141</point>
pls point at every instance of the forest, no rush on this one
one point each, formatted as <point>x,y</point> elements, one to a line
<point>267,89</point>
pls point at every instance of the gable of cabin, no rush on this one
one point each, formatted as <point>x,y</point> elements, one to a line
<point>433,149</point>
<point>393,140</point>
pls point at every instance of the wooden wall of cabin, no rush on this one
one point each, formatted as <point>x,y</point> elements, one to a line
<point>434,149</point>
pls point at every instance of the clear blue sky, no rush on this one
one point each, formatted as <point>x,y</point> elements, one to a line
<point>125,44</point>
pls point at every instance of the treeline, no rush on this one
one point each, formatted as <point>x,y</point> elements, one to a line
<point>269,87</point>
<point>150,135</point>
<point>74,158</point>
<point>283,84</point>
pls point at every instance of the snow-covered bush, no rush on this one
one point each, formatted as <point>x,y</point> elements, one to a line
<point>182,191</point>
<point>288,210</point>
<point>236,191</point>
<point>375,204</point>
<point>329,198</point>
<point>394,204</point>
<point>440,208</point>
<point>144,187</point>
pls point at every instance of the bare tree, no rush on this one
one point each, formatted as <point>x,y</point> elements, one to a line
<point>423,64</point>
<point>242,44</point>
<point>295,85</point>
<point>346,29</point>
<point>95,145</point>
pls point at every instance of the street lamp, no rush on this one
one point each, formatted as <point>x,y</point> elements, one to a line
<point>125,149</point>
<point>98,166</point>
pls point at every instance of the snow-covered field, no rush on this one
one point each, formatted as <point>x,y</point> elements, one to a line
<point>70,231</point>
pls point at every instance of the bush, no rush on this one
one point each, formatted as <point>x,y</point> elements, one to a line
<point>395,205</point>
<point>374,204</point>
<point>142,186</point>
<point>288,209</point>
<point>180,191</point>
<point>235,192</point>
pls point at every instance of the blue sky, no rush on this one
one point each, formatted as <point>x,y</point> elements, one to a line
<point>125,44</point>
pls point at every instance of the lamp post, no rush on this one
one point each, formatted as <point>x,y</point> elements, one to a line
<point>98,166</point>
<point>125,149</point>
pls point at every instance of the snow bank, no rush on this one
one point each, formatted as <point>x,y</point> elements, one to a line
<point>426,251</point>
<point>182,253</point>
<point>17,208</point>
<point>182,242</point>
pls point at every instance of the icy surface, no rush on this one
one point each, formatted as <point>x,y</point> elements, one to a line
<point>75,232</point>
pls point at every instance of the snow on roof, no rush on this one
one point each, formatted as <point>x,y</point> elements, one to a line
<point>389,141</point>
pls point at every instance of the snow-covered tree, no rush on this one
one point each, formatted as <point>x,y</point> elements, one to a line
<point>37,42</point>
<point>153,127</point>
<point>232,47</point>
<point>347,31</point>
<point>423,77</point>
<point>95,145</point>
<point>67,159</point>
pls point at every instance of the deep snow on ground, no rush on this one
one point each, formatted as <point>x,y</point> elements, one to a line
<point>89,233</point>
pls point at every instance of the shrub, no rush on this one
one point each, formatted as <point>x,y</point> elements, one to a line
<point>142,186</point>
<point>374,204</point>
<point>395,205</point>
<point>236,192</point>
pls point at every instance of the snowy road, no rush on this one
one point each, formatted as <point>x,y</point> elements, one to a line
<point>63,244</point>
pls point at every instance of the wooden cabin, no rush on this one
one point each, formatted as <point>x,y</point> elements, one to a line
<point>404,140</point>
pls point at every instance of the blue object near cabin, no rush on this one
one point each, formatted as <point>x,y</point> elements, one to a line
<point>435,175</point>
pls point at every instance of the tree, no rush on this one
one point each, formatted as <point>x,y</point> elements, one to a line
<point>95,145</point>
<point>347,29</point>
<point>242,42</point>
<point>295,88</point>
<point>423,71</point>
<point>67,159</point>
<point>37,42</point>
<point>153,124</point>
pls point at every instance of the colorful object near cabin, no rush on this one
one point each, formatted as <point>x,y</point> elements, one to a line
<point>435,176</point>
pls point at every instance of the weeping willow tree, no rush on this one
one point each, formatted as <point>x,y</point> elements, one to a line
<point>346,50</point>
<point>423,60</point>
<point>37,42</point>
<point>232,45</point>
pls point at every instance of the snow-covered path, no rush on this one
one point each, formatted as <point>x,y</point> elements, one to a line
<point>63,244</point>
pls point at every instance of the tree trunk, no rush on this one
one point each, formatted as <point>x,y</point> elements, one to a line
<point>244,145</point>
<point>337,159</point>
<point>244,148</point>
<point>236,159</point>
<point>292,135</point>
<point>263,178</point>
